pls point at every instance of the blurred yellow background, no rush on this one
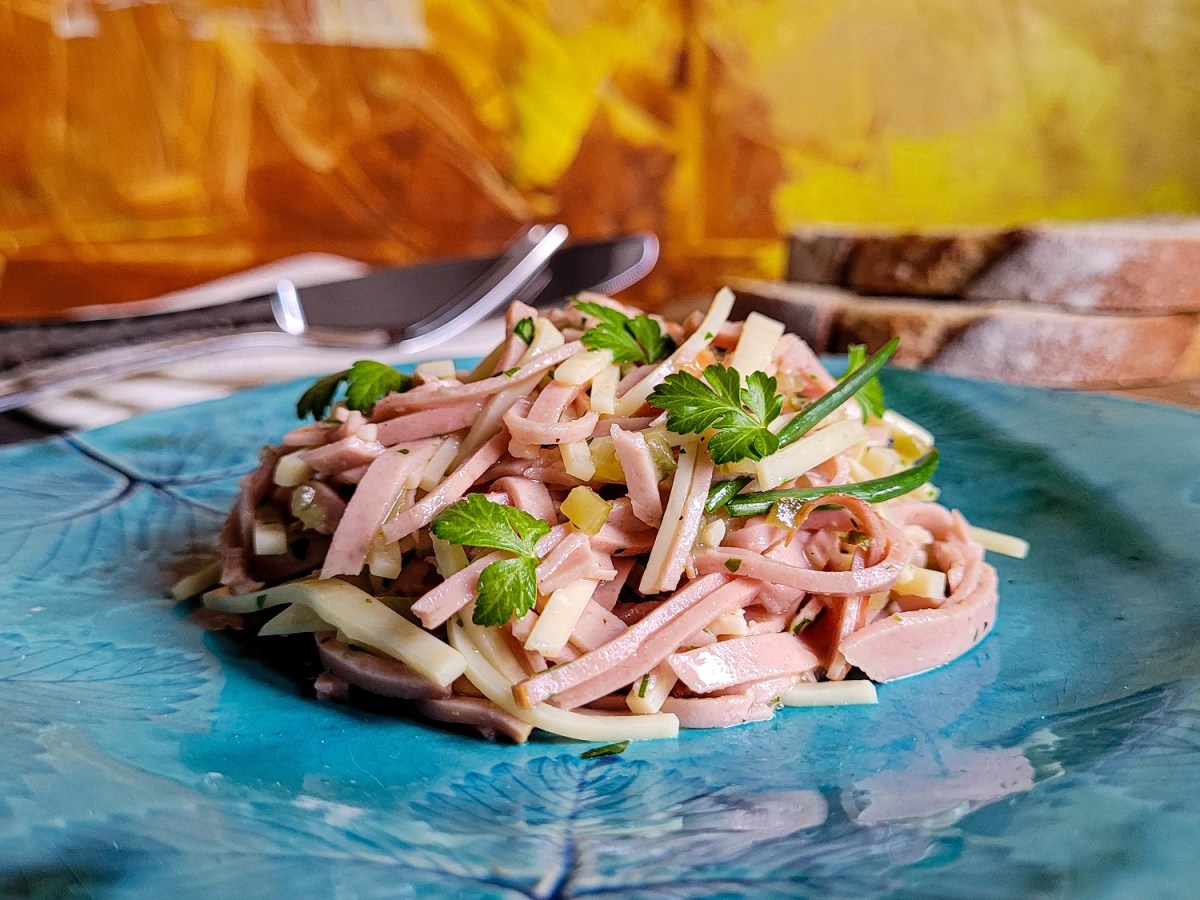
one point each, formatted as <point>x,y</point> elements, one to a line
<point>150,144</point>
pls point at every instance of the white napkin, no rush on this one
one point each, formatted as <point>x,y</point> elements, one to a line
<point>220,374</point>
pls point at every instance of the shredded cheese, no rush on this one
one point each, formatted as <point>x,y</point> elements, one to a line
<point>998,542</point>
<point>291,471</point>
<point>672,516</point>
<point>559,617</point>
<point>807,453</point>
<point>604,390</point>
<point>756,347</point>
<point>830,693</point>
<point>577,460</point>
<point>650,692</point>
<point>583,367</point>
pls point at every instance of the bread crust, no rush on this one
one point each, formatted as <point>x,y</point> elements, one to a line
<point>1150,267</point>
<point>1010,342</point>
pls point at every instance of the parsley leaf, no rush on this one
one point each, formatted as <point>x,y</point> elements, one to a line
<point>367,382</point>
<point>638,339</point>
<point>506,587</point>
<point>741,414</point>
<point>318,399</point>
<point>475,521</point>
<point>870,395</point>
<point>524,330</point>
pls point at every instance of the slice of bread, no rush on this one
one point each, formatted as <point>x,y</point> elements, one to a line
<point>1009,342</point>
<point>1149,266</point>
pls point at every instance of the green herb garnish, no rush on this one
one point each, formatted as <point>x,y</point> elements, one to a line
<point>524,330</point>
<point>870,395</point>
<point>606,750</point>
<point>741,414</point>
<point>724,491</point>
<point>507,587</point>
<point>787,503</point>
<point>642,687</point>
<point>638,339</point>
<point>733,565</point>
<point>849,385</point>
<point>367,382</point>
<point>509,373</point>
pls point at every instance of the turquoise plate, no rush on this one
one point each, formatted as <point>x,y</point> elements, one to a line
<point>144,756</point>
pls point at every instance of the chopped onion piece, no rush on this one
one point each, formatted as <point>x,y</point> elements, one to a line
<point>586,510</point>
<point>385,560</point>
<point>881,461</point>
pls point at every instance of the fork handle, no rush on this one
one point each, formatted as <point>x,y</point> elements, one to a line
<point>24,344</point>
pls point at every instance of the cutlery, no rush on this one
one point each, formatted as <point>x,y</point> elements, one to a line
<point>407,309</point>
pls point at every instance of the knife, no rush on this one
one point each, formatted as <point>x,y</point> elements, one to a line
<point>409,308</point>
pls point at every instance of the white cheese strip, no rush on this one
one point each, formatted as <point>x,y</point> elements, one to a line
<point>919,582</point>
<point>450,558</point>
<point>583,367</point>
<point>717,315</point>
<point>604,390</point>
<point>733,623</point>
<point>756,347</point>
<point>577,460</point>
<point>196,582</point>
<point>362,618</point>
<point>998,542</point>
<point>435,370</point>
<point>830,693</point>
<point>806,453</point>
<point>470,639</point>
<point>650,692</point>
<point>435,470</point>
<point>671,517</point>
<point>292,471</point>
<point>296,619</point>
<point>559,617</point>
<point>270,539</point>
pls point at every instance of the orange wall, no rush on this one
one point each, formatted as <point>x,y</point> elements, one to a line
<point>147,146</point>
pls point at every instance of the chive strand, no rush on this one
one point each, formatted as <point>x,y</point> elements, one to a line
<point>850,384</point>
<point>724,491</point>
<point>876,490</point>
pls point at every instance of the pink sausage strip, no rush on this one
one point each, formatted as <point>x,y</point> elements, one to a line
<point>910,642</point>
<point>378,492</point>
<point>657,645</point>
<point>641,475</point>
<point>737,661</point>
<point>451,489</point>
<point>547,684</point>
<point>428,423</point>
<point>441,394</point>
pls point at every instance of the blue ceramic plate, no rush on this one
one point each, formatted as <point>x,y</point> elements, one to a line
<point>142,756</point>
